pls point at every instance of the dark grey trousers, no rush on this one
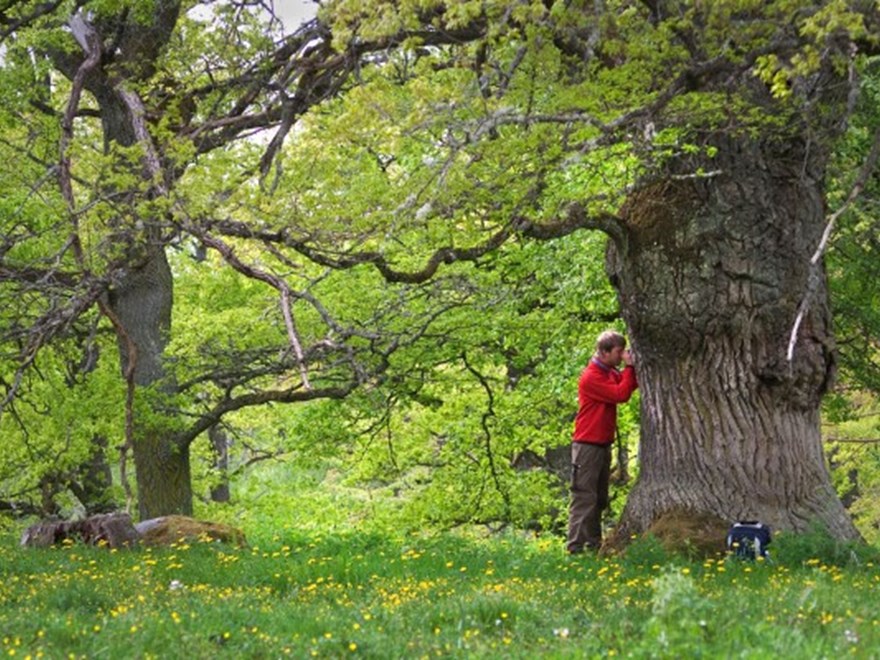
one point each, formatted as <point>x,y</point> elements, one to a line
<point>590,470</point>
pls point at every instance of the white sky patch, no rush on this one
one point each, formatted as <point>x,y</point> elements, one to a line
<point>294,13</point>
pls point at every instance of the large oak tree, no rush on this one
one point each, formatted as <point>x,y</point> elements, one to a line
<point>698,139</point>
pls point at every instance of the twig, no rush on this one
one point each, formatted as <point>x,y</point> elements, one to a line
<point>857,441</point>
<point>487,434</point>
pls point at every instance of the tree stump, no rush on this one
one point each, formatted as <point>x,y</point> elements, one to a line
<point>114,530</point>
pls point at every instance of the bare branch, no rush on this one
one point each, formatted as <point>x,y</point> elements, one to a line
<point>487,433</point>
<point>91,45</point>
<point>263,397</point>
<point>48,326</point>
<point>576,218</point>
<point>137,115</point>
<point>858,441</point>
<point>277,283</point>
<point>815,262</point>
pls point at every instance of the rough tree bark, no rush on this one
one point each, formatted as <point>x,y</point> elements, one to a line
<point>710,273</point>
<point>142,304</point>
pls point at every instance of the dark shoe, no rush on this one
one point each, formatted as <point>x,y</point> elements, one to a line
<point>589,548</point>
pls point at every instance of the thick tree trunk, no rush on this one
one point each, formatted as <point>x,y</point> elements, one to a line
<point>142,304</point>
<point>710,275</point>
<point>163,478</point>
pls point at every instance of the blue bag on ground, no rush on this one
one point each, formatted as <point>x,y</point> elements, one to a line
<point>748,539</point>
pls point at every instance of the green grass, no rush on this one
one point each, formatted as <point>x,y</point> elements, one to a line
<point>451,595</point>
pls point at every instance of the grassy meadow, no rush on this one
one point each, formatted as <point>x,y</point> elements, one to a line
<point>367,595</point>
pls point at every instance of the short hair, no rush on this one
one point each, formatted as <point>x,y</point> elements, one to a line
<point>609,340</point>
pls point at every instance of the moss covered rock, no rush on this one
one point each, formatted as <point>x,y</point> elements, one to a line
<point>166,530</point>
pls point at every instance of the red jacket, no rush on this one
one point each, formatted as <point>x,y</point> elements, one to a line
<point>600,389</point>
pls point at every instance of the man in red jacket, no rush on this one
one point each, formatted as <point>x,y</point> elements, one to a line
<point>601,388</point>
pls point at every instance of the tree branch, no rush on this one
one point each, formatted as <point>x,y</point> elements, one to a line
<point>487,434</point>
<point>90,42</point>
<point>576,218</point>
<point>289,395</point>
<point>277,283</point>
<point>860,441</point>
<point>816,260</point>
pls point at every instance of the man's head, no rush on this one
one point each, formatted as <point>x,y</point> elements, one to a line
<point>610,347</point>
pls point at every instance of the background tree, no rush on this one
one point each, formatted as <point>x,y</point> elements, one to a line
<point>128,116</point>
<point>90,133</point>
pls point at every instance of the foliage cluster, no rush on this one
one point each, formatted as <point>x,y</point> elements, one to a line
<point>460,375</point>
<point>852,419</point>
